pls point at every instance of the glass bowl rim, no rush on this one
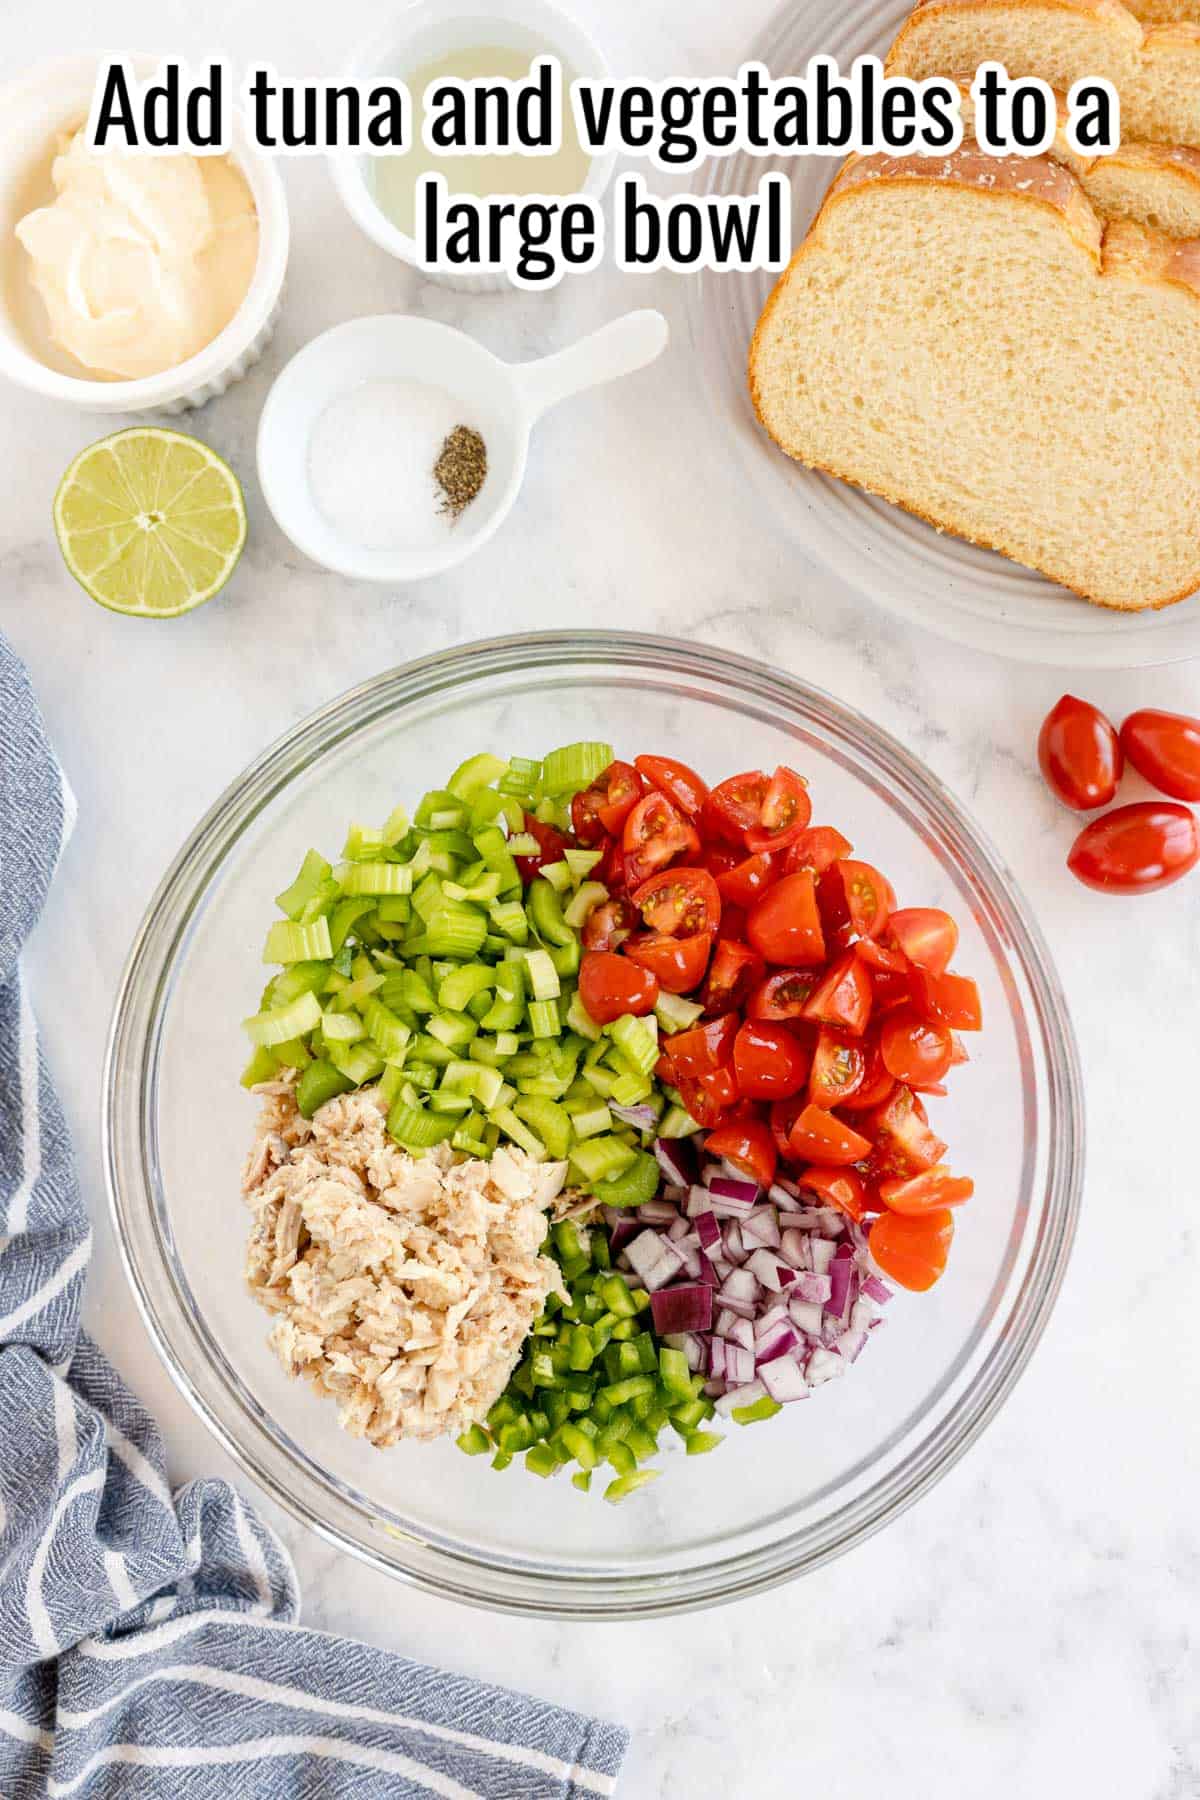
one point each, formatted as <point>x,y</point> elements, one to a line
<point>137,1018</point>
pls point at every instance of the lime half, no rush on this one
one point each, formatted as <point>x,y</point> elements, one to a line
<point>150,522</point>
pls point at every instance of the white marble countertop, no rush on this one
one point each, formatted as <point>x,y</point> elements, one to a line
<point>1030,1627</point>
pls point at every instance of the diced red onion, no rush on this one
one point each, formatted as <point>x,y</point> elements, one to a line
<point>822,1366</point>
<point>806,1316</point>
<point>736,1194</point>
<point>679,1228</point>
<point>783,1379</point>
<point>676,1160</point>
<point>761,1228</point>
<point>622,1232</point>
<point>654,1259</point>
<point>684,1307</point>
<point>781,1341</point>
<point>708,1274</point>
<point>740,1396</point>
<point>793,1248</point>
<point>850,1344</point>
<point>773,1274</point>
<point>876,1290</point>
<point>657,1212</point>
<point>740,1284</point>
<point>813,1287</point>
<point>642,1116</point>
<point>822,1253</point>
<point>698,1202</point>
<point>740,1332</point>
<point>707,1229</point>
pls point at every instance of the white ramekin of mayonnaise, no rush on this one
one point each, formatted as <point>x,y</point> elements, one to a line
<point>439,38</point>
<point>129,283</point>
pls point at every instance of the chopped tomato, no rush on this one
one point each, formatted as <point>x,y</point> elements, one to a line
<point>927,936</point>
<point>610,985</point>
<point>843,996</point>
<point>551,843</point>
<point>838,1067</point>
<point>842,1188</point>
<point>608,925</point>
<point>912,1252</point>
<point>869,897</point>
<point>924,1193</point>
<point>913,1050</point>
<point>770,1064</point>
<point>784,813</point>
<point>718,859</point>
<point>708,1096</point>
<point>610,870</point>
<point>679,963</point>
<point>881,956</point>
<point>731,974</point>
<point>948,999</point>
<point>733,807</point>
<point>682,786</point>
<point>783,995</point>
<point>877,1084</point>
<point>679,902</point>
<point>703,1047</point>
<point>816,848</point>
<point>785,926</point>
<point>654,835</point>
<point>601,810</point>
<point>819,1136</point>
<point>747,880</point>
<point>748,1145</point>
<point>903,1144</point>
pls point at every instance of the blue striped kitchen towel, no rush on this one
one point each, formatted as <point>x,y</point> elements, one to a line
<point>149,1642</point>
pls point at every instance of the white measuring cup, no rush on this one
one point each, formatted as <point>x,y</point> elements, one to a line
<point>502,401</point>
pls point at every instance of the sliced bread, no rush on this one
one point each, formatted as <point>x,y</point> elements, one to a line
<point>1155,70</point>
<point>1154,184</point>
<point>963,337</point>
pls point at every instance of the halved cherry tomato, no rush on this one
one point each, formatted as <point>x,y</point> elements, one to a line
<point>601,810</point>
<point>610,870</point>
<point>1079,754</point>
<point>912,1252</point>
<point>881,956</point>
<point>703,1047</point>
<point>924,1193</point>
<point>731,974</point>
<point>770,1064</point>
<point>679,902</point>
<point>877,1084</point>
<point>551,844</point>
<point>748,1145</point>
<point>869,897</point>
<point>913,1050</point>
<point>718,859</point>
<point>747,880</point>
<point>708,1096</point>
<point>842,1188</point>
<point>817,1135</point>
<point>1136,849</point>
<point>654,835</point>
<point>682,786</point>
<point>843,996</point>
<point>784,813</point>
<point>610,985</point>
<point>1164,747</point>
<point>949,999</point>
<point>817,848</point>
<point>733,806</point>
<point>927,936</point>
<point>678,963</point>
<point>783,995</point>
<point>838,1068</point>
<point>785,925</point>
<point>902,1141</point>
<point>608,925</point>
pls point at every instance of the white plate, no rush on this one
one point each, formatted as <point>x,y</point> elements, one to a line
<point>972,596</point>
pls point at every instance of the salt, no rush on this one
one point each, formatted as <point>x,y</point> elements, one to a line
<point>370,464</point>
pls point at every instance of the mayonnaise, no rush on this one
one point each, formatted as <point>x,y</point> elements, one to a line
<point>141,260</point>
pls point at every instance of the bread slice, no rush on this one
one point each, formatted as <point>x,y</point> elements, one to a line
<point>963,337</point>
<point>1154,184</point>
<point>1156,70</point>
<point>1166,12</point>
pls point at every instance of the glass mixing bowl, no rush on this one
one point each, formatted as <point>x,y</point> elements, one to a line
<point>778,1498</point>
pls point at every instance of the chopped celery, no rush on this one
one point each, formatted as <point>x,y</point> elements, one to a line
<point>634,1185</point>
<point>543,976</point>
<point>550,1123</point>
<point>417,1128</point>
<point>363,844</point>
<point>358,1062</point>
<point>395,827</point>
<point>476,773</point>
<point>575,766</point>
<point>376,878</point>
<point>544,1020</point>
<point>637,1039</point>
<point>342,1028</point>
<point>314,871</point>
<point>558,875</point>
<point>676,1122</point>
<point>290,943</point>
<point>601,1158</point>
<point>261,1067</point>
<point>674,1013</point>
<point>320,1082</point>
<point>586,898</point>
<point>520,1134</point>
<point>582,862</point>
<point>277,1024</point>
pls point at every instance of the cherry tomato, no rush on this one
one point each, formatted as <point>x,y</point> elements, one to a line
<point>610,985</point>
<point>950,999</point>
<point>719,859</point>
<point>902,1141</point>
<point>785,925</point>
<point>912,1252</point>
<point>601,810</point>
<point>551,844</point>
<point>877,1083</point>
<point>784,813</point>
<point>816,848</point>
<point>927,936</point>
<point>703,1047</point>
<point>654,835</point>
<point>842,1188</point>
<point>913,1050</point>
<point>731,974</point>
<point>682,786</point>
<point>770,1064</point>
<point>838,1067</point>
<point>1079,754</point>
<point>679,902</point>
<point>608,925</point>
<point>843,996</point>
<point>1165,748</point>
<point>869,897</point>
<point>819,1136</point>
<point>924,1193</point>
<point>706,1097</point>
<point>881,956</point>
<point>1136,849</point>
<point>678,963</point>
<point>747,880</point>
<point>783,995</point>
<point>748,1145</point>
<point>733,806</point>
<point>610,870</point>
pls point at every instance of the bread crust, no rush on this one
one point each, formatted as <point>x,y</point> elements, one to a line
<point>1119,251</point>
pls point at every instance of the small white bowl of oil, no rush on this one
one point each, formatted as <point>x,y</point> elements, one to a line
<point>436,39</point>
<point>352,436</point>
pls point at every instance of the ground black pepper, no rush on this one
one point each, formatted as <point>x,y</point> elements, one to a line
<point>461,469</point>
